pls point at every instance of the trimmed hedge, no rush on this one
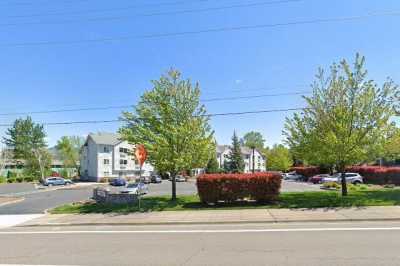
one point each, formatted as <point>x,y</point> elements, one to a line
<point>377,175</point>
<point>307,171</point>
<point>261,187</point>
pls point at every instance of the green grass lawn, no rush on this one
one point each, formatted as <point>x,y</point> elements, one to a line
<point>320,199</point>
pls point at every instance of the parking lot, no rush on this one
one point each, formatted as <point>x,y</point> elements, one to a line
<point>39,200</point>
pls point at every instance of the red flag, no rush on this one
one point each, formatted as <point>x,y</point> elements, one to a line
<point>141,154</point>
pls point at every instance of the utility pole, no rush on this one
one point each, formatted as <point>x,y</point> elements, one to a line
<point>253,159</point>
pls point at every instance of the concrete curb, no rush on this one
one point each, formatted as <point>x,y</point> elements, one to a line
<point>210,223</point>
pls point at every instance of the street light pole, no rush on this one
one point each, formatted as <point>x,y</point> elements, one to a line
<point>253,160</point>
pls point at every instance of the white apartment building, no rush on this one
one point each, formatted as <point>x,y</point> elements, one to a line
<point>247,154</point>
<point>105,155</point>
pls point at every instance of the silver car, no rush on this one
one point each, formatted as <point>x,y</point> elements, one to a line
<point>135,188</point>
<point>353,178</point>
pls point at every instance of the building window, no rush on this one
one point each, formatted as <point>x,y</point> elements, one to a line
<point>106,149</point>
<point>123,150</point>
<point>106,161</point>
<point>123,162</point>
<point>106,174</point>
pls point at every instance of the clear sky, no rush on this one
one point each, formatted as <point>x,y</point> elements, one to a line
<point>231,63</point>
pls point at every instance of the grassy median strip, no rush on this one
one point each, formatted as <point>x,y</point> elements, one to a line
<point>320,199</point>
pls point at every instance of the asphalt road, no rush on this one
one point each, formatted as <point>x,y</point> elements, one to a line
<point>373,243</point>
<point>16,188</point>
<point>37,201</point>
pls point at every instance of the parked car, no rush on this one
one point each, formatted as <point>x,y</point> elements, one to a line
<point>294,177</point>
<point>56,181</point>
<point>145,179</point>
<point>179,178</point>
<point>118,182</point>
<point>156,179</point>
<point>353,178</point>
<point>135,188</point>
<point>318,178</point>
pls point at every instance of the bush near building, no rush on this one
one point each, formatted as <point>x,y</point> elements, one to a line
<point>377,175</point>
<point>261,187</point>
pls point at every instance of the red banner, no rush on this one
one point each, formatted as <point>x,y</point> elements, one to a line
<point>141,154</point>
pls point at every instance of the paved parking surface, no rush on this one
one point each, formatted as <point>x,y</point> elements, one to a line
<point>16,188</point>
<point>37,201</point>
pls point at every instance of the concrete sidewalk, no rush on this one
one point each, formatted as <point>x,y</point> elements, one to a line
<point>222,216</point>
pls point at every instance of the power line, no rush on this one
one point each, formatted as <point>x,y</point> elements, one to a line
<point>212,30</point>
<point>131,106</point>
<point>124,120</point>
<point>89,11</point>
<point>187,11</point>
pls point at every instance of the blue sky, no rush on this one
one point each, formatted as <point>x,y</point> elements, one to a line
<point>234,63</point>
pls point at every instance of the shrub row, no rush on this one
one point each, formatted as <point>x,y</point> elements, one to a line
<point>261,187</point>
<point>307,171</point>
<point>377,175</point>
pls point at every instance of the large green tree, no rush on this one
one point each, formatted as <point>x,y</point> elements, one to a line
<point>253,140</point>
<point>279,158</point>
<point>172,124</point>
<point>235,159</point>
<point>345,120</point>
<point>27,141</point>
<point>69,147</point>
<point>391,151</point>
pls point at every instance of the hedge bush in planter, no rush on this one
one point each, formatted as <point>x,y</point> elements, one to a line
<point>261,187</point>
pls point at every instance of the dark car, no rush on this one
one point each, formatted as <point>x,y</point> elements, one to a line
<point>118,182</point>
<point>156,179</point>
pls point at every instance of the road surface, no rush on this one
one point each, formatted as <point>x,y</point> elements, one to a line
<point>368,243</point>
<point>37,201</point>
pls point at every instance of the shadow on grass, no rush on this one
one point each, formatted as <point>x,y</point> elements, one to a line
<point>306,200</point>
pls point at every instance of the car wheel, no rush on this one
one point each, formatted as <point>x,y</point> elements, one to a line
<point>356,183</point>
<point>50,185</point>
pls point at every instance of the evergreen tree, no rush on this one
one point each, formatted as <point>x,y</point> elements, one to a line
<point>212,165</point>
<point>236,162</point>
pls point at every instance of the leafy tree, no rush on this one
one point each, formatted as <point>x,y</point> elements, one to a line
<point>279,158</point>
<point>69,148</point>
<point>212,165</point>
<point>254,140</point>
<point>235,159</point>
<point>172,124</point>
<point>345,120</point>
<point>392,146</point>
<point>27,140</point>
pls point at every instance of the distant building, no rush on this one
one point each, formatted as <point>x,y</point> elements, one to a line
<point>105,155</point>
<point>223,152</point>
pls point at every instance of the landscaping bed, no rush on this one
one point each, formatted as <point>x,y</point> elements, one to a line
<point>320,199</point>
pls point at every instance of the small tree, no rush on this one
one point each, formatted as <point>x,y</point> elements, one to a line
<point>345,120</point>
<point>69,148</point>
<point>27,141</point>
<point>235,159</point>
<point>212,165</point>
<point>279,158</point>
<point>172,124</point>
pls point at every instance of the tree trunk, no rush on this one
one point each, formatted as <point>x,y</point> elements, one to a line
<point>253,161</point>
<point>344,184</point>
<point>173,187</point>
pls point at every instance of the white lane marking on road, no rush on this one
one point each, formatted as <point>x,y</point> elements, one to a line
<point>12,220</point>
<point>199,231</point>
